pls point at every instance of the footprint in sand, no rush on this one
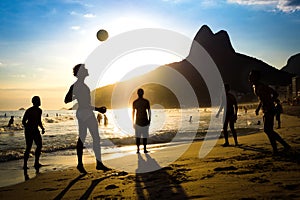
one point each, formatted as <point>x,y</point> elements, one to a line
<point>110,187</point>
<point>230,168</point>
<point>259,180</point>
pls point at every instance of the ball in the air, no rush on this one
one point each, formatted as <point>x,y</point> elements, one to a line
<point>102,35</point>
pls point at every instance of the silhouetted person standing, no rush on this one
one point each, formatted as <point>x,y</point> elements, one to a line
<point>141,116</point>
<point>11,121</point>
<point>267,96</point>
<point>31,121</point>
<point>231,110</point>
<point>99,118</point>
<point>279,110</point>
<point>105,120</point>
<point>85,116</point>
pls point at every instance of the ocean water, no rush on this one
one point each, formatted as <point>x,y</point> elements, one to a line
<point>62,131</point>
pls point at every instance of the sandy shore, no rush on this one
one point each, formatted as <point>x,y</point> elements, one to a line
<point>245,172</point>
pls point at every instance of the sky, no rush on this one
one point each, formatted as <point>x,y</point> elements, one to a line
<point>40,41</point>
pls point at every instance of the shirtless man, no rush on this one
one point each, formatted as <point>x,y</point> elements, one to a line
<point>267,96</point>
<point>141,116</point>
<point>85,116</point>
<point>31,121</point>
<point>230,115</point>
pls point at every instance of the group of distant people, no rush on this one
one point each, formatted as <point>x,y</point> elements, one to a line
<point>101,116</point>
<point>141,116</point>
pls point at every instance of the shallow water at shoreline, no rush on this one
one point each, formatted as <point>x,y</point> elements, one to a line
<point>59,141</point>
<point>12,171</point>
<point>61,130</point>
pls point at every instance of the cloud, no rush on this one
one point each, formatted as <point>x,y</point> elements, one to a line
<point>254,2</point>
<point>73,13</point>
<point>2,65</point>
<point>175,1</point>
<point>282,5</point>
<point>18,75</point>
<point>41,69</point>
<point>89,15</point>
<point>289,5</point>
<point>75,28</point>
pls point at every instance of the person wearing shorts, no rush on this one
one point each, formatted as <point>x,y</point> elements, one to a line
<point>141,116</point>
<point>85,116</point>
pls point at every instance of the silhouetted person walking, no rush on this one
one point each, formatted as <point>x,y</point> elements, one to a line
<point>85,116</point>
<point>267,97</point>
<point>141,116</point>
<point>31,121</point>
<point>231,110</point>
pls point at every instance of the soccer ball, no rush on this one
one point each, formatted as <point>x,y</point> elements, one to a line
<point>102,35</point>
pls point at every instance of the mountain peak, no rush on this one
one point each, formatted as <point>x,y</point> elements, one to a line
<point>204,32</point>
<point>218,45</point>
<point>224,39</point>
<point>223,34</point>
<point>292,65</point>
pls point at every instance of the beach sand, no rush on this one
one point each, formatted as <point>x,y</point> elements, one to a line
<point>248,171</point>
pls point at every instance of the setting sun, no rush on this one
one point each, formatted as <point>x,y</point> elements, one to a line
<point>136,63</point>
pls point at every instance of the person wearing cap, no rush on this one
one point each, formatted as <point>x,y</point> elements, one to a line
<point>31,121</point>
<point>85,116</point>
<point>267,96</point>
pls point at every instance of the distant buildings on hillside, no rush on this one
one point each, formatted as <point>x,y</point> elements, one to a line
<point>290,93</point>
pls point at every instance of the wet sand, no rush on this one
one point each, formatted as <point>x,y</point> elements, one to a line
<point>248,171</point>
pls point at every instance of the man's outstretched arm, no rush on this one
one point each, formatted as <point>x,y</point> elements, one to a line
<point>69,96</point>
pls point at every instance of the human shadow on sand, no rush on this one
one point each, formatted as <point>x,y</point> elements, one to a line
<point>291,155</point>
<point>154,182</point>
<point>89,190</point>
<point>62,193</point>
<point>93,185</point>
<point>251,148</point>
